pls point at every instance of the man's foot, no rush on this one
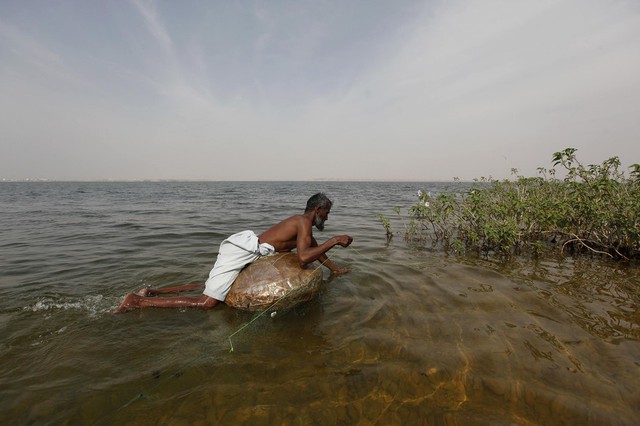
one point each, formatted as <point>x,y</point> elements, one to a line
<point>129,303</point>
<point>144,292</point>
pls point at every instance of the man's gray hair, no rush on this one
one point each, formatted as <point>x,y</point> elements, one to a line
<point>318,200</point>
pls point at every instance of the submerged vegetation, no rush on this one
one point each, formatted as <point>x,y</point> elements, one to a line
<point>593,209</point>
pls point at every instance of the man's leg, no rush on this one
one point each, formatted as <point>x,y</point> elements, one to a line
<point>178,289</point>
<point>134,301</point>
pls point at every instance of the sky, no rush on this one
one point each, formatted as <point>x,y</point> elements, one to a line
<point>307,90</point>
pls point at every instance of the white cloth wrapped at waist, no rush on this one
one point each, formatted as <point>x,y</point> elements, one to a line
<point>235,253</point>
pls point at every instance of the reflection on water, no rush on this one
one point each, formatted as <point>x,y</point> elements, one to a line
<point>408,337</point>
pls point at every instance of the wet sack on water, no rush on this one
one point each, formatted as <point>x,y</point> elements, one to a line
<point>270,279</point>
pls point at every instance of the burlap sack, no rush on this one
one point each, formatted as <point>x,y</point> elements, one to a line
<point>272,278</point>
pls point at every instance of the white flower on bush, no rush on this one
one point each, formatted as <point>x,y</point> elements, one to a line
<point>426,204</point>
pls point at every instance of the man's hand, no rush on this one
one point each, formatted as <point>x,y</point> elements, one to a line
<point>343,240</point>
<point>340,271</point>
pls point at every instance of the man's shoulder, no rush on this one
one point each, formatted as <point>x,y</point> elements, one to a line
<point>298,222</point>
<point>295,219</point>
<point>287,229</point>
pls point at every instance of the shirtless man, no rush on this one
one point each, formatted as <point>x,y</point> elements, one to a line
<point>245,247</point>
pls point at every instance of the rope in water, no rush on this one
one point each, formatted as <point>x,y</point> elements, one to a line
<point>288,295</point>
<point>265,311</point>
<point>177,373</point>
<point>141,395</point>
<point>409,265</point>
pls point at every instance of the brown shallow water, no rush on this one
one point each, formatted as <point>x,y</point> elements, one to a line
<point>408,337</point>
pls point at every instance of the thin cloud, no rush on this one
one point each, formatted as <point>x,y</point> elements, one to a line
<point>297,91</point>
<point>28,49</point>
<point>31,54</point>
<point>490,76</point>
<point>154,24</point>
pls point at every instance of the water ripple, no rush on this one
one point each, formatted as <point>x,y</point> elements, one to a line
<point>410,336</point>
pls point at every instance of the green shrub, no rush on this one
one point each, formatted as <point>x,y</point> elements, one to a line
<point>592,209</point>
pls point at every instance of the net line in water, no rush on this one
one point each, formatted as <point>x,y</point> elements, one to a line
<point>286,295</point>
<point>142,394</point>
<point>414,266</point>
<point>296,292</point>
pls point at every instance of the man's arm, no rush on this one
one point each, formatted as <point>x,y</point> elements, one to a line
<point>324,260</point>
<point>308,248</point>
<point>332,266</point>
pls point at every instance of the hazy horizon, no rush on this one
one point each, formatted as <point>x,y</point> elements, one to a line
<point>338,180</point>
<point>304,91</point>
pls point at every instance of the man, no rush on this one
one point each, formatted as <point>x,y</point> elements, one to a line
<point>245,247</point>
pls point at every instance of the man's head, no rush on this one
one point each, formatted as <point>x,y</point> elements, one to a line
<point>321,205</point>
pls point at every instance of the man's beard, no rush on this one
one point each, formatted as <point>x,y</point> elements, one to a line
<point>318,223</point>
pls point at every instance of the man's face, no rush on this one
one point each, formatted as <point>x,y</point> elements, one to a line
<point>321,217</point>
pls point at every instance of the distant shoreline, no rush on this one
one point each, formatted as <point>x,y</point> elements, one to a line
<point>229,181</point>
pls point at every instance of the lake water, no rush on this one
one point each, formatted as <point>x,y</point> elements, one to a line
<point>410,336</point>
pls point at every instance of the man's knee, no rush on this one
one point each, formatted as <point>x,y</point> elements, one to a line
<point>208,302</point>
